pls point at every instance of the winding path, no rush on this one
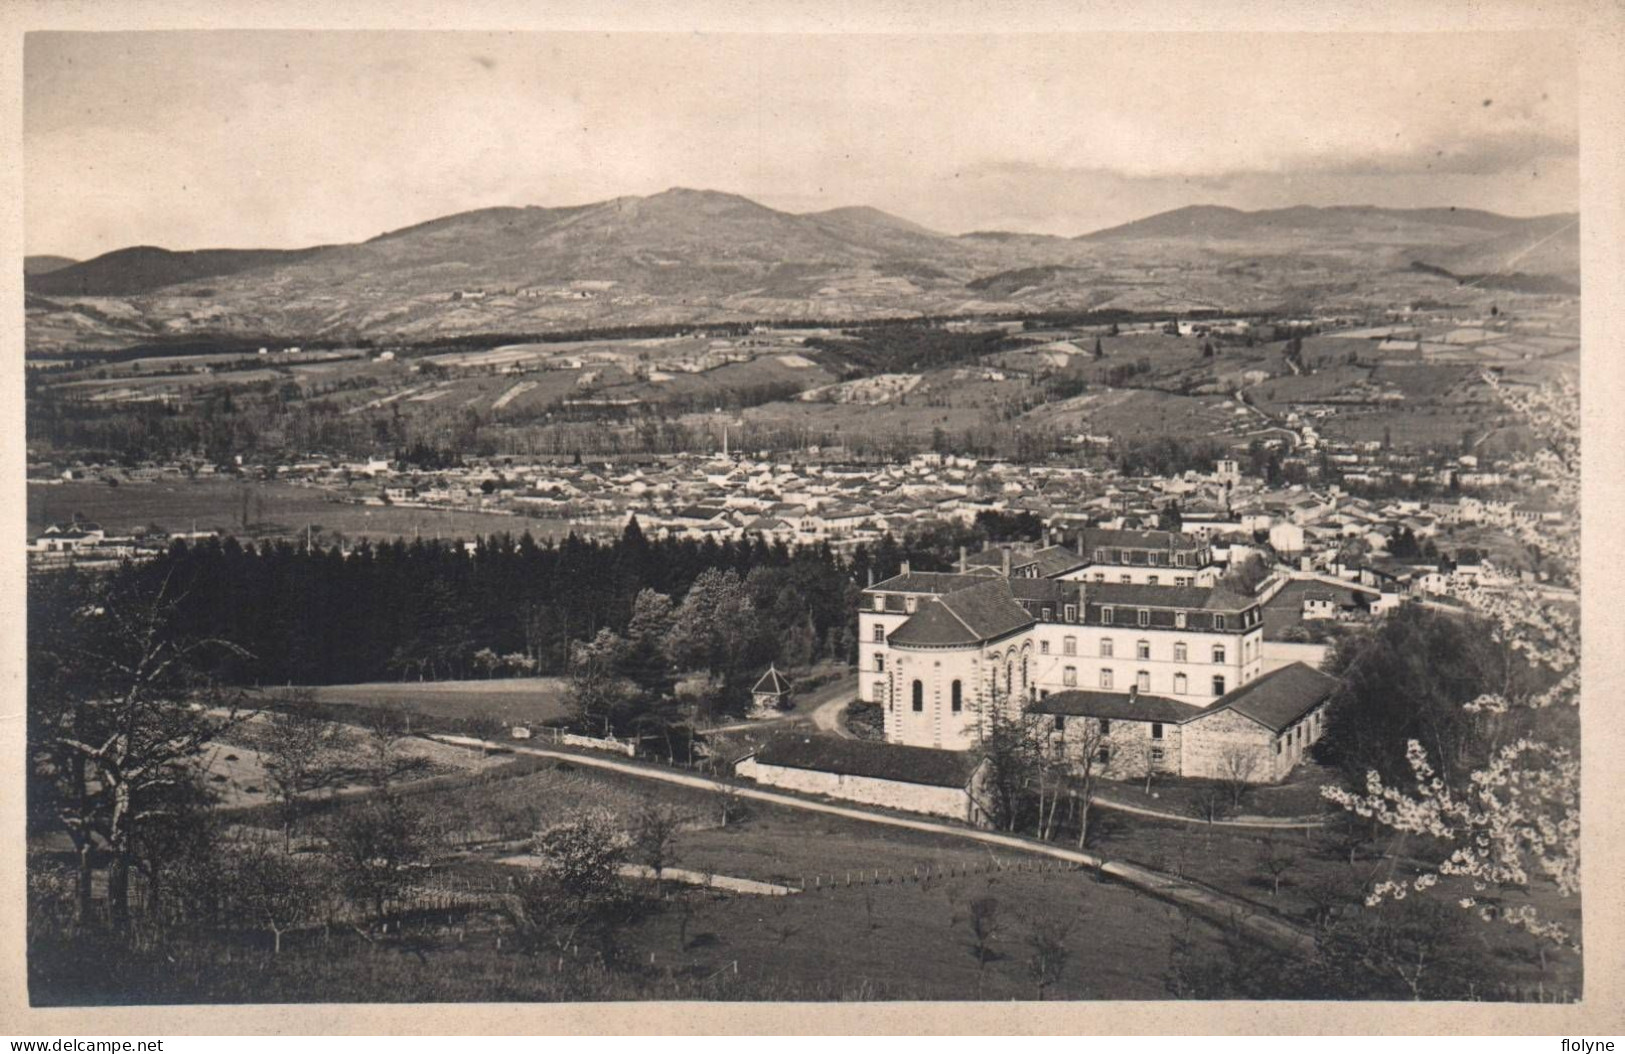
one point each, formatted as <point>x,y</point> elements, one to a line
<point>1209,902</point>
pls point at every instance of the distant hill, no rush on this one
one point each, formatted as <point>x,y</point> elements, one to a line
<point>1547,245</point>
<point>45,264</point>
<point>1425,226</point>
<point>144,268</point>
<point>693,256</point>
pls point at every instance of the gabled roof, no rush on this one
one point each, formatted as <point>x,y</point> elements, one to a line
<point>1117,706</point>
<point>1279,698</point>
<point>984,611</point>
<point>772,681</point>
<point>859,757</point>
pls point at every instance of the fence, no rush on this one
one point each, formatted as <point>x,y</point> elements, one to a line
<point>923,874</point>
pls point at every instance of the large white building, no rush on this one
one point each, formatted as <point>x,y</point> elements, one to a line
<point>942,653</point>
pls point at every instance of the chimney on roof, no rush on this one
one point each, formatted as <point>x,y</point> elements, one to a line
<point>961,559</point>
<point>1080,541</point>
<point>871,578</point>
<point>1007,561</point>
<point>905,567</point>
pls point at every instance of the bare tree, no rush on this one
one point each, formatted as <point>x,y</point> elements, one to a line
<point>984,929</point>
<point>1237,764</point>
<point>300,752</point>
<point>655,827</point>
<point>121,706</point>
<point>1047,963</point>
<point>1275,861</point>
<point>272,889</point>
<point>386,761</point>
<point>374,845</point>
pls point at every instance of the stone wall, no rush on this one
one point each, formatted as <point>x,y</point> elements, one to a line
<point>950,802</point>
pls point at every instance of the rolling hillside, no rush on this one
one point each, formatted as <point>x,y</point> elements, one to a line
<point>685,256</point>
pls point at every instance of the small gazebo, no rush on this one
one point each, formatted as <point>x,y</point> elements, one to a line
<point>772,692</point>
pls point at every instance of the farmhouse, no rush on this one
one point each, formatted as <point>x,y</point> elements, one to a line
<point>915,779</point>
<point>1257,733</point>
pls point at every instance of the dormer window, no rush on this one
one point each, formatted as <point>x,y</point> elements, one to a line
<point>911,604</point>
<point>1072,612</point>
<point>1046,612</point>
<point>880,603</point>
<point>1218,622</point>
<point>1145,617</point>
<point>1106,616</point>
<point>1179,620</point>
<point>1179,559</point>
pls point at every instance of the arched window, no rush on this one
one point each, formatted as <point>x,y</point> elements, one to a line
<point>919,696</point>
<point>1181,685</point>
<point>958,697</point>
<point>1179,651</point>
<point>1142,680</point>
<point>1009,676</point>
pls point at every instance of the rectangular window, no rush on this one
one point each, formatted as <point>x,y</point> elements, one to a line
<point>1151,581</point>
<point>1104,755</point>
<point>1100,576</point>
<point>1072,612</point>
<point>1218,654</point>
<point>1105,647</point>
<point>1060,722</point>
<point>880,634</point>
<point>880,664</point>
<point>1156,754</point>
<point>1218,622</point>
<point>1143,649</point>
<point>1106,616</point>
<point>1145,617</point>
<point>1043,647</point>
<point>1218,686</point>
<point>1069,645</point>
<point>1069,676</point>
<point>880,603</point>
<point>1142,680</point>
<point>1125,579</point>
<point>1156,730</point>
<point>1046,612</point>
<point>1105,678</point>
<point>1180,684</point>
<point>1179,616</point>
<point>1180,651</point>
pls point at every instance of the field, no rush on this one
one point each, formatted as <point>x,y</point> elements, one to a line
<point>511,701</point>
<point>900,938</point>
<point>276,509</point>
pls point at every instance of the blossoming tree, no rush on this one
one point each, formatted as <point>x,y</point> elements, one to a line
<point>1515,820</point>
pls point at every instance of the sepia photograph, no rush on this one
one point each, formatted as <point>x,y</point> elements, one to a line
<point>552,517</point>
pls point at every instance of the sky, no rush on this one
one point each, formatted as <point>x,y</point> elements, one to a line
<point>209,139</point>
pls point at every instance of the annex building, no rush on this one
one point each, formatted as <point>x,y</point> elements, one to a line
<point>1125,642</point>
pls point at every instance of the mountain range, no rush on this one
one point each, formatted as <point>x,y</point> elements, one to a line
<point>693,256</point>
